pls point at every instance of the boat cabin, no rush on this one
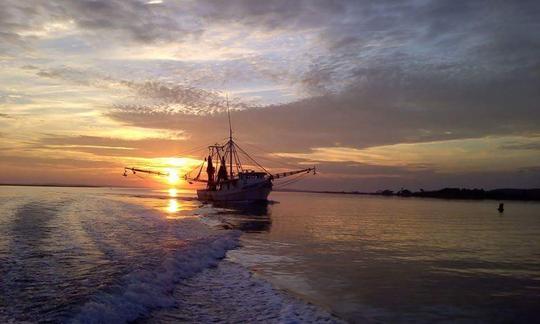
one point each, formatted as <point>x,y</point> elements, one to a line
<point>249,176</point>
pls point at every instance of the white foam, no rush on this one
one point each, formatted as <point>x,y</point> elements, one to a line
<point>230,293</point>
<point>142,290</point>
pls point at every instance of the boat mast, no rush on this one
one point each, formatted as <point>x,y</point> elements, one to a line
<point>230,139</point>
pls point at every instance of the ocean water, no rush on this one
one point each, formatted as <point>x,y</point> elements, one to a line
<point>388,259</point>
<point>89,255</point>
<point>80,255</point>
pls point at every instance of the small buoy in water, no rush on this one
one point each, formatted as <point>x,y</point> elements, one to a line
<point>501,208</point>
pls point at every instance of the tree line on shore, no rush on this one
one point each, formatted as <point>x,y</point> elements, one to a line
<point>446,193</point>
<point>463,193</point>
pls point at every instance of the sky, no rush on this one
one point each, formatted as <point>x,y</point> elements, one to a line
<point>376,94</point>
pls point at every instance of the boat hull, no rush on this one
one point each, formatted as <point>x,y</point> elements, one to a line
<point>255,192</point>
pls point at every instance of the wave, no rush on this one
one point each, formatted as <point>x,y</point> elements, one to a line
<point>143,290</point>
<point>233,294</point>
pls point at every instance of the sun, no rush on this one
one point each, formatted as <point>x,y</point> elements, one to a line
<point>173,177</point>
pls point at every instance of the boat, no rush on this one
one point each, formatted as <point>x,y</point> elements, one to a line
<point>234,180</point>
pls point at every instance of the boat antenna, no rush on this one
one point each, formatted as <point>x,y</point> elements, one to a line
<point>229,115</point>
<point>230,138</point>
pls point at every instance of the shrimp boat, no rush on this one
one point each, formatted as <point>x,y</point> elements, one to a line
<point>235,180</point>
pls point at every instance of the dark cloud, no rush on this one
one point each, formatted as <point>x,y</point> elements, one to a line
<point>125,21</point>
<point>390,108</point>
<point>278,14</point>
<point>521,146</point>
<point>176,98</point>
<point>165,96</point>
<point>80,77</point>
<point>464,39</point>
<point>494,37</point>
<point>357,28</point>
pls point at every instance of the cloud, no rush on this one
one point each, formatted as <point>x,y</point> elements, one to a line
<point>12,98</point>
<point>29,67</point>
<point>176,98</point>
<point>57,163</point>
<point>334,39</point>
<point>341,74</point>
<point>135,21</point>
<point>521,146</point>
<point>279,14</point>
<point>165,97</point>
<point>387,110</point>
<point>462,40</point>
<point>77,76</point>
<point>113,146</point>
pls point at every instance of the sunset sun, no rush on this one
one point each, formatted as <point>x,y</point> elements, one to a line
<point>173,177</point>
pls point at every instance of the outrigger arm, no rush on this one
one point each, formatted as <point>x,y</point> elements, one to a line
<point>290,173</point>
<point>135,170</point>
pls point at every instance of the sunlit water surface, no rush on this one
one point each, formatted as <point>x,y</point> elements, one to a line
<point>85,254</point>
<point>399,259</point>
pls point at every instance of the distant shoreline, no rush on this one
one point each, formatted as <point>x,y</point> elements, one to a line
<point>446,193</point>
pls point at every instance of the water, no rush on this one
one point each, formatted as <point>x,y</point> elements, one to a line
<point>116,255</point>
<point>372,259</point>
<point>113,255</point>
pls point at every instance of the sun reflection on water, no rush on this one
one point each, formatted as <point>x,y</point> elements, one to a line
<point>176,205</point>
<point>173,206</point>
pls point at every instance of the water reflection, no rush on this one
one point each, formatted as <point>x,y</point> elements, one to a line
<point>173,192</point>
<point>173,206</point>
<point>247,217</point>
